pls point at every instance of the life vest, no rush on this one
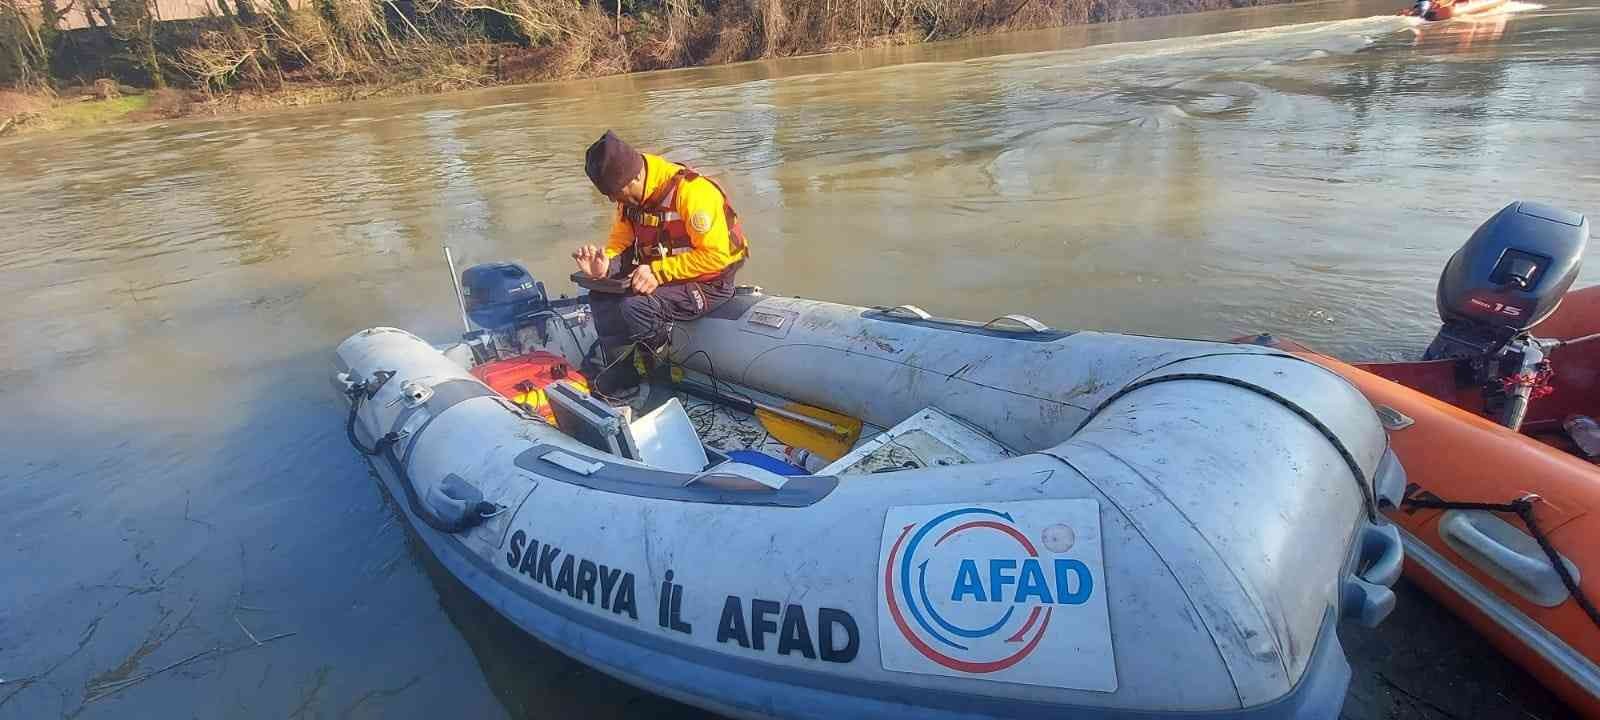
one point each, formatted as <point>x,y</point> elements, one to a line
<point>659,230</point>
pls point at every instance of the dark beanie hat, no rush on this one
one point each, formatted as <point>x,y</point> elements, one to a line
<point>612,163</point>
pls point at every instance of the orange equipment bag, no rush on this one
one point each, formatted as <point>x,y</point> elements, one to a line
<point>523,378</point>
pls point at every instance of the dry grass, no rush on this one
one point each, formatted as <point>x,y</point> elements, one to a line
<point>16,103</point>
<point>167,104</point>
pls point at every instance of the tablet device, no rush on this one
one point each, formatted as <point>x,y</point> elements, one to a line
<point>615,286</point>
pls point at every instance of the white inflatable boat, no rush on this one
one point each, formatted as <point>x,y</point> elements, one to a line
<point>1063,524</point>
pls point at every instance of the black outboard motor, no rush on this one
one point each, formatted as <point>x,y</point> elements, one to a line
<point>496,293</point>
<point>509,311</point>
<point>1509,276</point>
<point>500,298</point>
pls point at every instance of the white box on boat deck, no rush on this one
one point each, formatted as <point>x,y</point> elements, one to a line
<point>1006,591</point>
<point>667,439</point>
<point>929,438</point>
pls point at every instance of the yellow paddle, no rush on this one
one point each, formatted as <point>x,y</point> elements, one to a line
<point>824,432</point>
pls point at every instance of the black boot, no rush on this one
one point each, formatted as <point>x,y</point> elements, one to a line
<point>617,378</point>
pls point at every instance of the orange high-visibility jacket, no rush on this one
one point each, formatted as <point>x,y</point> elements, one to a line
<point>685,230</point>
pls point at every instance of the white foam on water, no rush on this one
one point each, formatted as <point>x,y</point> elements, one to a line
<point>1339,36</point>
<point>497,106</point>
<point>1268,44</point>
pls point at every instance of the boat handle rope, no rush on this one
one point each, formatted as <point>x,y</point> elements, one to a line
<point>358,392</point>
<point>1368,490</point>
<point>471,520</point>
<point>1523,508</point>
<point>385,447</point>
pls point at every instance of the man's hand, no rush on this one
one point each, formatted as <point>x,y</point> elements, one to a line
<point>643,280</point>
<point>592,260</point>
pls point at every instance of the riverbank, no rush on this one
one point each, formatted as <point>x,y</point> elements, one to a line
<point>45,112</point>
<point>34,112</point>
<point>344,50</point>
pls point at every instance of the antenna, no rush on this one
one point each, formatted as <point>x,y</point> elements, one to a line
<point>455,280</point>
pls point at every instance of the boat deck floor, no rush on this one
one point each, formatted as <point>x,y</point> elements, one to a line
<point>926,439</point>
<point>727,429</point>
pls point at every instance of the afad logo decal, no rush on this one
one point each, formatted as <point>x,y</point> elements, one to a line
<point>974,592</point>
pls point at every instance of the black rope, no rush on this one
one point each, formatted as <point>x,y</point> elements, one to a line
<point>422,511</point>
<point>1362,482</point>
<point>1522,508</point>
<point>385,447</point>
<point>357,393</point>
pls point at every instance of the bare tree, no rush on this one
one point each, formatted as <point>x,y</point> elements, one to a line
<point>134,25</point>
<point>27,60</point>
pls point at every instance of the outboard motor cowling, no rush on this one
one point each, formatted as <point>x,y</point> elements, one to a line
<point>501,300</point>
<point>1508,277</point>
<point>495,294</point>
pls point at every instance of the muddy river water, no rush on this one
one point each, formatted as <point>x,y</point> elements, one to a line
<point>173,475</point>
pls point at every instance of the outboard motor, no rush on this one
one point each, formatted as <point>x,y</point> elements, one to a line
<point>1509,276</point>
<point>508,312</point>
<point>1422,8</point>
<point>495,293</point>
<point>501,300</point>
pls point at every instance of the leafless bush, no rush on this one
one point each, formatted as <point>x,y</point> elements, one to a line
<point>589,47</point>
<point>225,59</point>
<point>539,21</point>
<point>24,57</point>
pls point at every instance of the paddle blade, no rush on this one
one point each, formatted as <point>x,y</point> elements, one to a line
<point>831,445</point>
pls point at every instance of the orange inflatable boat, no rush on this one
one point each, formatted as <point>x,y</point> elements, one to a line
<point>1446,9</point>
<point>1491,428</point>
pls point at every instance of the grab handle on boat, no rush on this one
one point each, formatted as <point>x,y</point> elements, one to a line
<point>1365,602</point>
<point>1493,544</point>
<point>910,311</point>
<point>1382,554</point>
<point>735,475</point>
<point>1019,319</point>
<point>1367,598</point>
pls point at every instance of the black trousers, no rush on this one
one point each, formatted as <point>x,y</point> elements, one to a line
<point>628,318</point>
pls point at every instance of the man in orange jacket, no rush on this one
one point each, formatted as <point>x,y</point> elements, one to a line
<point>676,240</point>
